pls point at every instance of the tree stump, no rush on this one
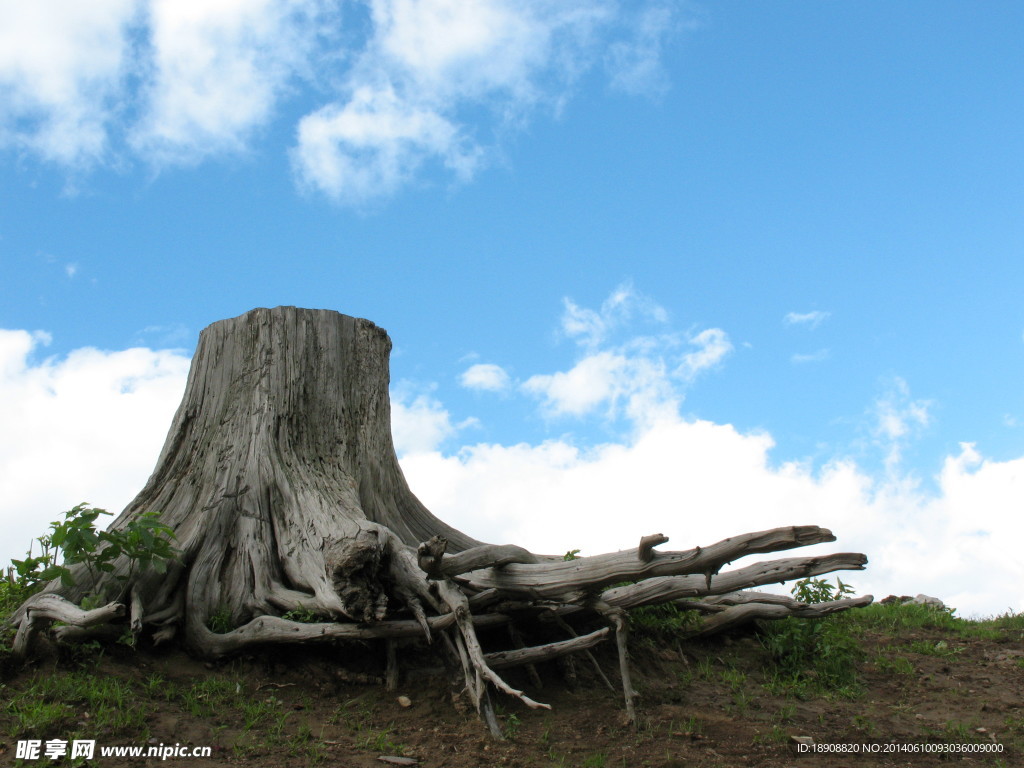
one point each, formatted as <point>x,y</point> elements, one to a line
<point>280,481</point>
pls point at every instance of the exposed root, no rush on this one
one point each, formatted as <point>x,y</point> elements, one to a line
<point>618,619</point>
<point>451,594</point>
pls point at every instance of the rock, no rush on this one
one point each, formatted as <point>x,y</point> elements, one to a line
<point>404,701</point>
<point>807,741</point>
<point>919,600</point>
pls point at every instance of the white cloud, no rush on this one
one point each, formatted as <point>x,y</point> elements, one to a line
<point>809,357</point>
<point>640,378</point>
<point>62,65</point>
<point>714,346</point>
<point>590,328</point>
<point>699,482</point>
<point>218,69</point>
<point>87,427</point>
<point>896,417</point>
<point>424,63</point>
<point>374,144</point>
<point>399,85</point>
<point>635,63</point>
<point>810,319</point>
<point>485,376</point>
<point>419,423</point>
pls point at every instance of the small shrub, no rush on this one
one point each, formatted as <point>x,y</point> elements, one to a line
<point>820,654</point>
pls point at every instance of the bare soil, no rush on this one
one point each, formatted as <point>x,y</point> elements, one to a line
<point>927,698</point>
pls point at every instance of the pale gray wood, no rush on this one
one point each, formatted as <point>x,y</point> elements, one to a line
<point>539,653</point>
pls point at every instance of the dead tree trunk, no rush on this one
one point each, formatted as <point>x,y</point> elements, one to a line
<point>280,481</point>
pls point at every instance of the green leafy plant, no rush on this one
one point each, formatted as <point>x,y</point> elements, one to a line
<point>303,615</point>
<point>814,653</point>
<point>572,554</point>
<point>144,542</point>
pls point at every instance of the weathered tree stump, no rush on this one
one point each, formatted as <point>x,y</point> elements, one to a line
<point>280,481</point>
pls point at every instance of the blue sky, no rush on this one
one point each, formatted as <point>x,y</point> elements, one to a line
<point>763,246</point>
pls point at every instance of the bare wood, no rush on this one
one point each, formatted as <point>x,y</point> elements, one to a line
<point>666,588</point>
<point>745,612</point>
<point>560,578</point>
<point>391,667</point>
<point>647,544</point>
<point>460,608</point>
<point>539,653</point>
<point>485,556</point>
<point>519,643</point>
<point>135,611</point>
<point>618,619</point>
<point>593,660</point>
<point>48,607</point>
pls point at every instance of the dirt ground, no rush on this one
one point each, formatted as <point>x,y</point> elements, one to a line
<point>927,699</point>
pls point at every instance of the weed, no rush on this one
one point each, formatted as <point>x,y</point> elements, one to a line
<point>786,712</point>
<point>220,621</point>
<point>901,665</point>
<point>941,648</point>
<point>662,623</point>
<point>303,615</point>
<point>864,723</point>
<point>596,760</point>
<point>821,654</point>
<point>777,735</point>
<point>380,741</point>
<point>512,723</point>
<point>704,669</point>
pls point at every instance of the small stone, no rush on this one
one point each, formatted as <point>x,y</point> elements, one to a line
<point>805,740</point>
<point>404,701</point>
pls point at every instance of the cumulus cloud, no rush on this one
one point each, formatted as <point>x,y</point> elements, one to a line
<point>809,319</point>
<point>419,423</point>
<point>86,427</point>
<point>699,482</point>
<point>375,143</point>
<point>485,376</point>
<point>397,85</point>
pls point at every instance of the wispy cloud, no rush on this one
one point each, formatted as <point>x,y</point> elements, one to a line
<point>810,319</point>
<point>63,67</point>
<point>635,377</point>
<point>895,418</point>
<point>216,71</point>
<point>800,358</point>
<point>713,346</point>
<point>592,327</point>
